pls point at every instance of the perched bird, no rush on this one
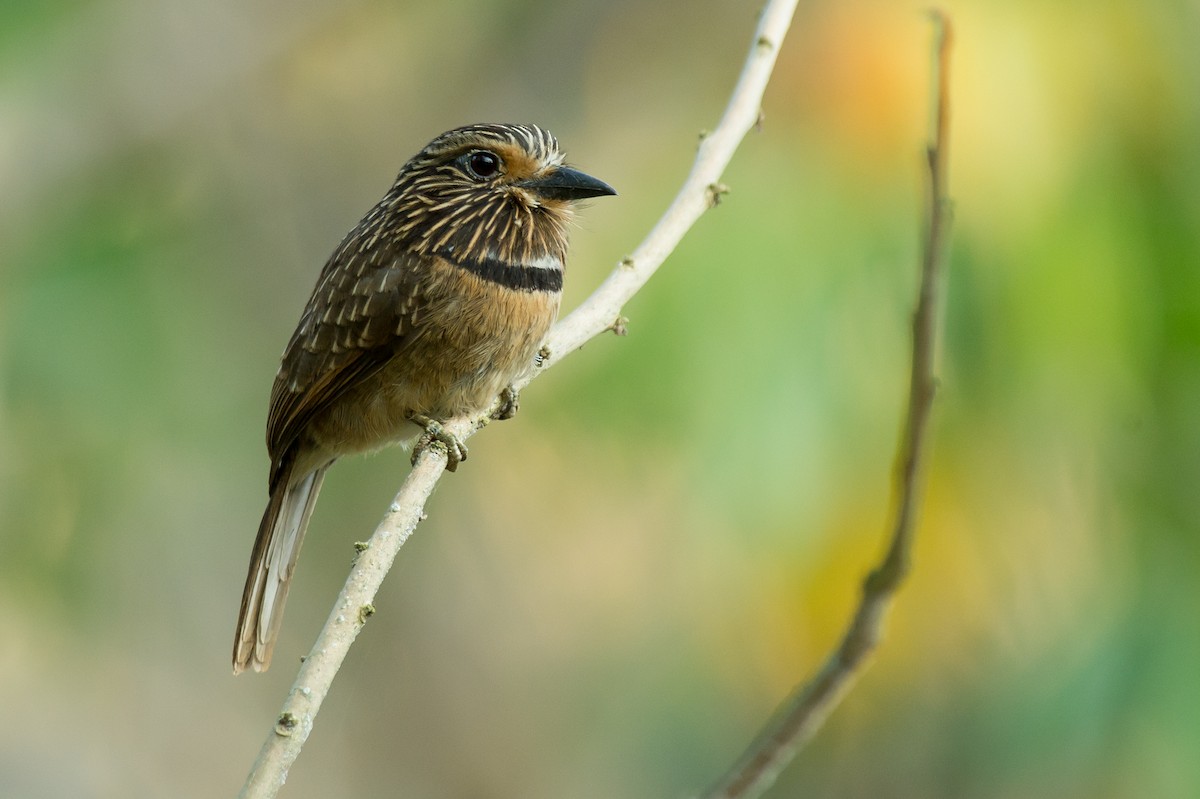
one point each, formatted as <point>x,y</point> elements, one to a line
<point>430,308</point>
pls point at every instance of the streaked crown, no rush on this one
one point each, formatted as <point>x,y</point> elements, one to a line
<point>486,191</point>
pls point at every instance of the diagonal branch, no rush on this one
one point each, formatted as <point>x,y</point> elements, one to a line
<point>600,312</point>
<point>803,713</point>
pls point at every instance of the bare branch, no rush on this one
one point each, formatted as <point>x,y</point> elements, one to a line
<point>803,713</point>
<point>600,312</point>
<point>700,191</point>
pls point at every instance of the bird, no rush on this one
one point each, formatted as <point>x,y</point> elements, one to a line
<point>430,308</point>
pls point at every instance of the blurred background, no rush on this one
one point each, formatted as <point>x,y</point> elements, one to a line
<point>624,581</point>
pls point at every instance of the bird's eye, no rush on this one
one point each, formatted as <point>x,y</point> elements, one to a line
<point>483,164</point>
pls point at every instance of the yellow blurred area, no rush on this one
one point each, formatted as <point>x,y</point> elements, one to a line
<point>621,584</point>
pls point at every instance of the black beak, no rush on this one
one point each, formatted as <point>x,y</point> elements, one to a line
<point>565,183</point>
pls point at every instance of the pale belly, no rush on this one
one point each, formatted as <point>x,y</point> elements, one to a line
<point>468,346</point>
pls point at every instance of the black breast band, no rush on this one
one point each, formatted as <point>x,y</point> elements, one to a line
<point>511,276</point>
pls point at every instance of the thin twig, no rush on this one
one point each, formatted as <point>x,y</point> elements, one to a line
<point>803,713</point>
<point>600,312</point>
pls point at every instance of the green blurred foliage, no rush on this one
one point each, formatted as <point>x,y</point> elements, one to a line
<point>622,583</point>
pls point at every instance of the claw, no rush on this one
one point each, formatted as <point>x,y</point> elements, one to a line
<point>435,434</point>
<point>510,401</point>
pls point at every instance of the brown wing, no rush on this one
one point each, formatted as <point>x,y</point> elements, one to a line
<point>358,316</point>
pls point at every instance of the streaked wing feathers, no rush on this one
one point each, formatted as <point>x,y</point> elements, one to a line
<point>356,319</point>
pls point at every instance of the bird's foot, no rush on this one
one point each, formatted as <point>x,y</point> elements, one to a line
<point>436,434</point>
<point>510,401</point>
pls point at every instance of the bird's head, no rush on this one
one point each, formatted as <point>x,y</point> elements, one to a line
<point>490,190</point>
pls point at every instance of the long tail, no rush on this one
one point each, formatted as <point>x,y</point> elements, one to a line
<point>271,564</point>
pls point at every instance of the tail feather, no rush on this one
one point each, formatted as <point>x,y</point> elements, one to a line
<point>272,562</point>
